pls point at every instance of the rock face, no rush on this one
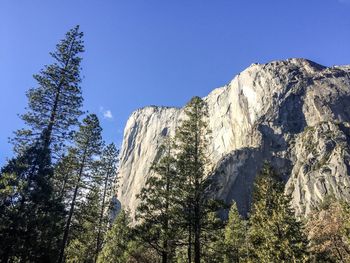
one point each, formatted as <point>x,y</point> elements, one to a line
<point>293,113</point>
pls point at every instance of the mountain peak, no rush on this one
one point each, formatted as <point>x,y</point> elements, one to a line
<point>273,111</point>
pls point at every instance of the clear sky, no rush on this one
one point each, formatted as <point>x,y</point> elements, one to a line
<point>159,52</point>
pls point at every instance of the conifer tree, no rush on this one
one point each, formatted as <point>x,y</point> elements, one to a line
<point>64,175</point>
<point>54,106</point>
<point>275,235</point>
<point>31,216</point>
<point>213,239</point>
<point>117,241</point>
<point>53,109</point>
<point>82,245</point>
<point>107,171</point>
<point>157,203</point>
<point>91,219</point>
<point>88,143</point>
<point>191,141</point>
<point>234,236</point>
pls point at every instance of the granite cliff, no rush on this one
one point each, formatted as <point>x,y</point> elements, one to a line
<point>293,113</point>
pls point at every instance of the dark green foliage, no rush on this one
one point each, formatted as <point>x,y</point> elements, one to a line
<point>88,140</point>
<point>107,173</point>
<point>88,180</point>
<point>274,235</point>
<point>122,245</point>
<point>30,215</point>
<point>191,141</point>
<point>54,199</point>
<point>175,209</point>
<point>88,143</point>
<point>117,242</point>
<point>235,237</point>
<point>54,106</point>
<point>213,239</point>
<point>158,200</point>
<point>64,176</point>
<point>84,230</point>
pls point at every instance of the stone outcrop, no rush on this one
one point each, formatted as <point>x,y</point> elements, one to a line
<point>293,113</point>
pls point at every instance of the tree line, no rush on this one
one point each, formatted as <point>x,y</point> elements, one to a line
<point>179,221</point>
<point>55,193</point>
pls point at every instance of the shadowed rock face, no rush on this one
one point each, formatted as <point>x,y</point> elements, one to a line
<point>293,113</point>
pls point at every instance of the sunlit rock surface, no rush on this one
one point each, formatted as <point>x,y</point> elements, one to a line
<point>293,113</point>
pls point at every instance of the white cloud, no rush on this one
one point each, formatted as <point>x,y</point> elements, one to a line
<point>107,114</point>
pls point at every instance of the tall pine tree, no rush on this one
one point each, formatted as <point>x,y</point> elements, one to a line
<point>82,245</point>
<point>88,143</point>
<point>191,143</point>
<point>157,202</point>
<point>64,179</point>
<point>55,105</point>
<point>275,235</point>
<point>117,241</point>
<point>31,215</point>
<point>32,212</point>
<point>107,171</point>
<point>234,241</point>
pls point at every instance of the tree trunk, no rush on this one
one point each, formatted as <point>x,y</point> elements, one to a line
<point>197,231</point>
<point>165,254</point>
<point>48,131</point>
<point>197,216</point>
<point>189,249</point>
<point>63,187</point>
<point>6,256</point>
<point>98,242</point>
<point>164,257</point>
<point>71,211</point>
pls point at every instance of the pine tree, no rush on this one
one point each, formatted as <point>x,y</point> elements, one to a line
<point>54,106</point>
<point>117,241</point>
<point>213,239</point>
<point>191,140</point>
<point>107,171</point>
<point>156,209</point>
<point>137,252</point>
<point>32,211</point>
<point>234,236</point>
<point>275,235</point>
<point>82,247</point>
<point>91,216</point>
<point>64,179</point>
<point>88,143</point>
<point>31,216</point>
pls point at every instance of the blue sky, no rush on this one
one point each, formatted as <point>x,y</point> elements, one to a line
<point>159,52</point>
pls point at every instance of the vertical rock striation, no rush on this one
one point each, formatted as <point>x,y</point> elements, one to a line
<point>293,113</point>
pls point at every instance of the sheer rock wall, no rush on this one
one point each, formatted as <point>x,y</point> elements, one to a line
<point>293,113</point>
